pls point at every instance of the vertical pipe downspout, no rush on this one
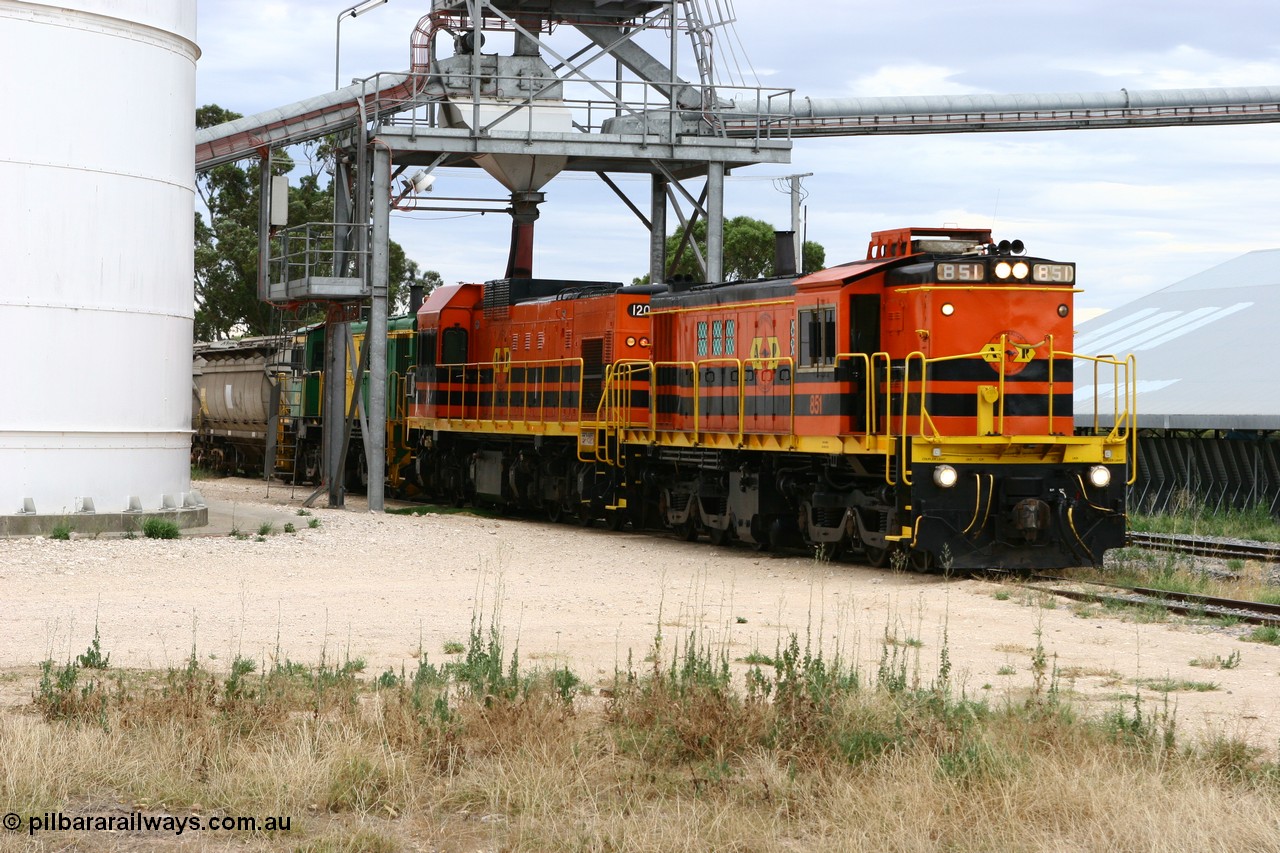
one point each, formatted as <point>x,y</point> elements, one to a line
<point>264,222</point>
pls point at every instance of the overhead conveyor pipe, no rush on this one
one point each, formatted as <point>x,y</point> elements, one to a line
<point>817,117</point>
<point>804,107</point>
<point>304,120</point>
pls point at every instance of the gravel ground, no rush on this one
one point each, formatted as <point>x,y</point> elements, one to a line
<point>385,587</point>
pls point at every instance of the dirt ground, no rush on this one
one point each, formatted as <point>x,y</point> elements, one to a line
<point>384,588</point>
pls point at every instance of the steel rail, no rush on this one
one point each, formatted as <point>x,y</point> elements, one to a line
<point>1183,603</point>
<point>1204,546</point>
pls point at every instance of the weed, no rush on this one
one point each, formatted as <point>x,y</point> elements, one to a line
<point>313,523</point>
<point>93,657</point>
<point>1001,595</point>
<point>1231,661</point>
<point>1006,670</point>
<point>1191,516</point>
<point>266,528</point>
<point>758,658</point>
<point>1268,634</point>
<point>159,528</point>
<point>61,532</point>
<point>304,512</point>
<point>453,647</point>
<point>1173,685</point>
<point>289,528</point>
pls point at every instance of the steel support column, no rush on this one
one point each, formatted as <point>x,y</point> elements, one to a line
<point>715,222</point>
<point>658,230</point>
<point>375,439</point>
<point>334,422</point>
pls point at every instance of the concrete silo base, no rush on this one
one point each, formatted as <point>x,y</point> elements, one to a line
<point>93,523</point>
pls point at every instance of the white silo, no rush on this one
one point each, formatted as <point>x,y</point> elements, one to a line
<point>97,173</point>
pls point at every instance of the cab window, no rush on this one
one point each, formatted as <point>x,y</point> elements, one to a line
<point>817,336</point>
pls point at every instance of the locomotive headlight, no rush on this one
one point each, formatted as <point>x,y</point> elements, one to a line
<point>948,309</point>
<point>1100,476</point>
<point>944,476</point>
<point>1003,269</point>
<point>1020,269</point>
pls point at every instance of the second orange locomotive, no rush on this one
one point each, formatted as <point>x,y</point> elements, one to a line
<point>917,403</point>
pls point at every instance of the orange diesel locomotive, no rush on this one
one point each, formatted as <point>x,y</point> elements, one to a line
<point>507,373</point>
<point>916,406</point>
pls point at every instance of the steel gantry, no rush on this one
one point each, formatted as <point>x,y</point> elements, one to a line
<point>607,105</point>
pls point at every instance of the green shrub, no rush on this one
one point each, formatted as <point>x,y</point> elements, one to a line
<point>159,528</point>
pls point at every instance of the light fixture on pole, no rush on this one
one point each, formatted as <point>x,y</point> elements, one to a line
<point>349,12</point>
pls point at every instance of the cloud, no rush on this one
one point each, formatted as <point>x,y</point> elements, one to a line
<point>895,80</point>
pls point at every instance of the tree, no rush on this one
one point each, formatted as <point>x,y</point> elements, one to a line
<point>410,274</point>
<point>748,250</point>
<point>226,250</point>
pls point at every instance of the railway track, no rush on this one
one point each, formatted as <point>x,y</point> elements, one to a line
<point>1207,546</point>
<point>1184,603</point>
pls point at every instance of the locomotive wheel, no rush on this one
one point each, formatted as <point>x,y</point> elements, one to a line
<point>877,557</point>
<point>615,519</point>
<point>921,562</point>
<point>555,511</point>
<point>760,533</point>
<point>688,529</point>
<point>718,536</point>
<point>585,517</point>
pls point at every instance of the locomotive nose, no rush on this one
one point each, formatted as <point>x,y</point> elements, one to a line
<point>1030,516</point>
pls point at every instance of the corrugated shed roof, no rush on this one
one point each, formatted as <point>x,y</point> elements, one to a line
<point>1208,348</point>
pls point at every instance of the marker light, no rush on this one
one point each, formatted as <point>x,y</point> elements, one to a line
<point>1063,310</point>
<point>631,341</point>
<point>1003,269</point>
<point>1100,476</point>
<point>944,476</point>
<point>644,342</point>
<point>948,309</point>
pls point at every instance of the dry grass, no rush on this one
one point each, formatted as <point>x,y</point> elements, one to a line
<point>808,754</point>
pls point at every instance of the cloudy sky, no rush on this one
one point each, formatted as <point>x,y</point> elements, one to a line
<point>1136,209</point>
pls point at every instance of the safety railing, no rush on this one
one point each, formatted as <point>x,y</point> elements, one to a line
<point>1124,419</point>
<point>488,102</point>
<point>915,384</point>
<point>466,383</point>
<point>617,413</point>
<point>318,250</point>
